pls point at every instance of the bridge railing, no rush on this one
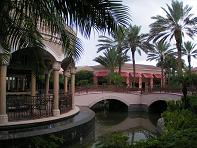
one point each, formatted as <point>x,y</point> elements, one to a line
<point>102,88</point>
<point>166,89</point>
<point>124,89</point>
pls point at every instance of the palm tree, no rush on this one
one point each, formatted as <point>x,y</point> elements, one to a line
<point>136,42</point>
<point>117,41</point>
<point>110,59</point>
<point>190,50</point>
<point>23,19</point>
<point>158,53</point>
<point>178,21</point>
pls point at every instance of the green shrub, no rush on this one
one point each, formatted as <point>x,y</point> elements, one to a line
<point>83,83</point>
<point>114,140</point>
<point>193,103</point>
<point>174,105</point>
<point>180,139</point>
<point>84,75</point>
<point>115,79</point>
<point>150,143</point>
<point>179,119</point>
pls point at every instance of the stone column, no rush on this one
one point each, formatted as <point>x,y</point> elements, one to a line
<point>73,85</point>
<point>95,80</point>
<point>47,77</point>
<point>56,68</point>
<point>128,81</point>
<point>8,88</point>
<point>151,84</point>
<point>66,74</point>
<point>3,73</point>
<point>24,80</point>
<point>161,82</point>
<point>146,86</point>
<point>164,82</point>
<point>140,82</point>
<point>33,83</point>
<point>16,83</point>
<point>12,84</point>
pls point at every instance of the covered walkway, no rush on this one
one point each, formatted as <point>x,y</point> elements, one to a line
<point>26,71</point>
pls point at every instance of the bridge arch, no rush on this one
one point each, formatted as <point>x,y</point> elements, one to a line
<point>134,101</point>
<point>158,106</point>
<point>109,98</point>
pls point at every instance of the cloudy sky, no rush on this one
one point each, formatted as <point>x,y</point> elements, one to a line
<point>141,13</point>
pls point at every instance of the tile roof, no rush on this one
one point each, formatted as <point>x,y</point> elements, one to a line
<point>126,66</point>
<point>194,69</point>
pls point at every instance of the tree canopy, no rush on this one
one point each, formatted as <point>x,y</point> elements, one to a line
<point>22,20</point>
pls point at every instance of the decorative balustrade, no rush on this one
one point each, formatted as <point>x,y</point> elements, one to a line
<point>65,103</point>
<point>26,107</point>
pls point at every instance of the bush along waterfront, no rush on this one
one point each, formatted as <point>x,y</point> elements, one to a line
<point>180,130</point>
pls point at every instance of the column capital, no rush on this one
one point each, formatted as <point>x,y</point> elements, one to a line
<point>4,56</point>
<point>72,70</point>
<point>56,66</point>
<point>4,59</point>
<point>66,73</point>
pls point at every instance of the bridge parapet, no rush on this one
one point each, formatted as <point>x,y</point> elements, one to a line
<point>134,101</point>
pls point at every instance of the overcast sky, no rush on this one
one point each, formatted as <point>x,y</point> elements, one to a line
<point>141,13</point>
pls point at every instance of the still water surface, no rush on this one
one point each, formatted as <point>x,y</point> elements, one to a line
<point>136,125</point>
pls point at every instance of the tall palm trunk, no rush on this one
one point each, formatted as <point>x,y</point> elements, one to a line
<point>119,67</point>
<point>133,59</point>
<point>119,61</point>
<point>179,62</point>
<point>162,72</point>
<point>189,62</point>
<point>178,38</point>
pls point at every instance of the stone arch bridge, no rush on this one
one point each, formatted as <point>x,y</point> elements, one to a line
<point>134,101</point>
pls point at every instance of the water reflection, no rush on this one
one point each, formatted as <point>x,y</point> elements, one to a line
<point>107,118</point>
<point>137,125</point>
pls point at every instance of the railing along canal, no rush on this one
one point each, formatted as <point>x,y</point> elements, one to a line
<point>124,89</point>
<point>26,107</point>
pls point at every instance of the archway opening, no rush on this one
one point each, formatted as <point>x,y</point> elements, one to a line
<point>158,106</point>
<point>22,63</point>
<point>155,110</point>
<point>110,112</point>
<point>110,105</point>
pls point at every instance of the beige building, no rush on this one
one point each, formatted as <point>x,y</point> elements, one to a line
<point>147,76</point>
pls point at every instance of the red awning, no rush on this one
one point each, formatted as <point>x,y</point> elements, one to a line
<point>147,75</point>
<point>158,76</point>
<point>101,73</point>
<point>137,75</point>
<point>124,74</point>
